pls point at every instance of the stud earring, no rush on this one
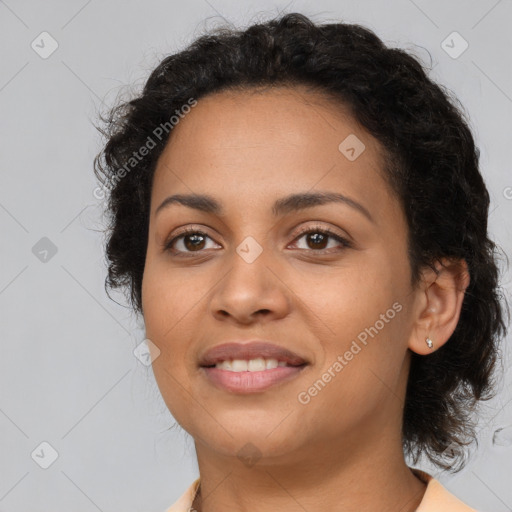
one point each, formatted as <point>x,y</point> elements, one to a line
<point>429,343</point>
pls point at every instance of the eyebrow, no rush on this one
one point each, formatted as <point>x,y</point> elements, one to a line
<point>282,206</point>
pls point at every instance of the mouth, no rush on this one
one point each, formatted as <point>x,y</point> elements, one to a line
<point>257,364</point>
<point>250,367</point>
<point>253,351</point>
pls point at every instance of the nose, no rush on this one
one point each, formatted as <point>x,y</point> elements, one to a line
<point>250,292</point>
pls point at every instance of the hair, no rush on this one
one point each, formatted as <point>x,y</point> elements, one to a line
<point>431,163</point>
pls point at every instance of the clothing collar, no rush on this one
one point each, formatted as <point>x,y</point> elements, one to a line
<point>436,498</point>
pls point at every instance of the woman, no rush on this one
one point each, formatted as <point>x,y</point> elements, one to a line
<point>298,214</point>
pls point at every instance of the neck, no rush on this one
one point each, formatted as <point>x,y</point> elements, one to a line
<point>370,478</point>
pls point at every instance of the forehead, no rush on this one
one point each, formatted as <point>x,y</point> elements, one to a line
<point>247,145</point>
<point>280,116</point>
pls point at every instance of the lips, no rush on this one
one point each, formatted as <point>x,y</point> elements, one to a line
<point>249,350</point>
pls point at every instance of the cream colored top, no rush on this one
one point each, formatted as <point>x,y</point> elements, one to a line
<point>435,499</point>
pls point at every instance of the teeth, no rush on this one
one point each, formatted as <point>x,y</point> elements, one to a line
<point>256,365</point>
<point>272,363</point>
<point>253,365</point>
<point>225,365</point>
<point>239,365</point>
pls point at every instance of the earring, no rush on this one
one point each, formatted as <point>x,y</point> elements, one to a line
<point>429,343</point>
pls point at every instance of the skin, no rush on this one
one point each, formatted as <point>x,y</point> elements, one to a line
<point>247,149</point>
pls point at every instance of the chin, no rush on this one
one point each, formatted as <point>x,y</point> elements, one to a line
<point>268,441</point>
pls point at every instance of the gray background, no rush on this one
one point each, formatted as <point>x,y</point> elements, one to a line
<point>68,375</point>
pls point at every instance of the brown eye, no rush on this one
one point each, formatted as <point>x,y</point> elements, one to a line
<point>190,241</point>
<point>193,242</point>
<point>317,239</point>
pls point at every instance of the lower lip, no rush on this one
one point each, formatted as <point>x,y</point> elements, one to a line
<point>251,382</point>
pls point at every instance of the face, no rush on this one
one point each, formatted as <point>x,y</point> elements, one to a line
<point>328,280</point>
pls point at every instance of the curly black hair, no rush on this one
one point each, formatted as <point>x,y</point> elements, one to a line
<point>431,164</point>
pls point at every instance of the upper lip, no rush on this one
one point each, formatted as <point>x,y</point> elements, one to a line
<point>249,350</point>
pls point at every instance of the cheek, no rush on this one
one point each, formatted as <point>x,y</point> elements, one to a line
<point>347,298</point>
<point>169,297</point>
<point>168,300</point>
<point>360,321</point>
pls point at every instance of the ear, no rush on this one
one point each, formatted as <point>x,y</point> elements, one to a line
<point>439,301</point>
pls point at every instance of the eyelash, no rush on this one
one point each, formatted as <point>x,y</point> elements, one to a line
<point>304,231</point>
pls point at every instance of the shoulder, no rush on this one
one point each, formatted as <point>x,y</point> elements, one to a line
<point>184,502</point>
<point>438,499</point>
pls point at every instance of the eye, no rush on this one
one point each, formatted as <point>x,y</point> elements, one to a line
<point>190,240</point>
<point>318,238</point>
